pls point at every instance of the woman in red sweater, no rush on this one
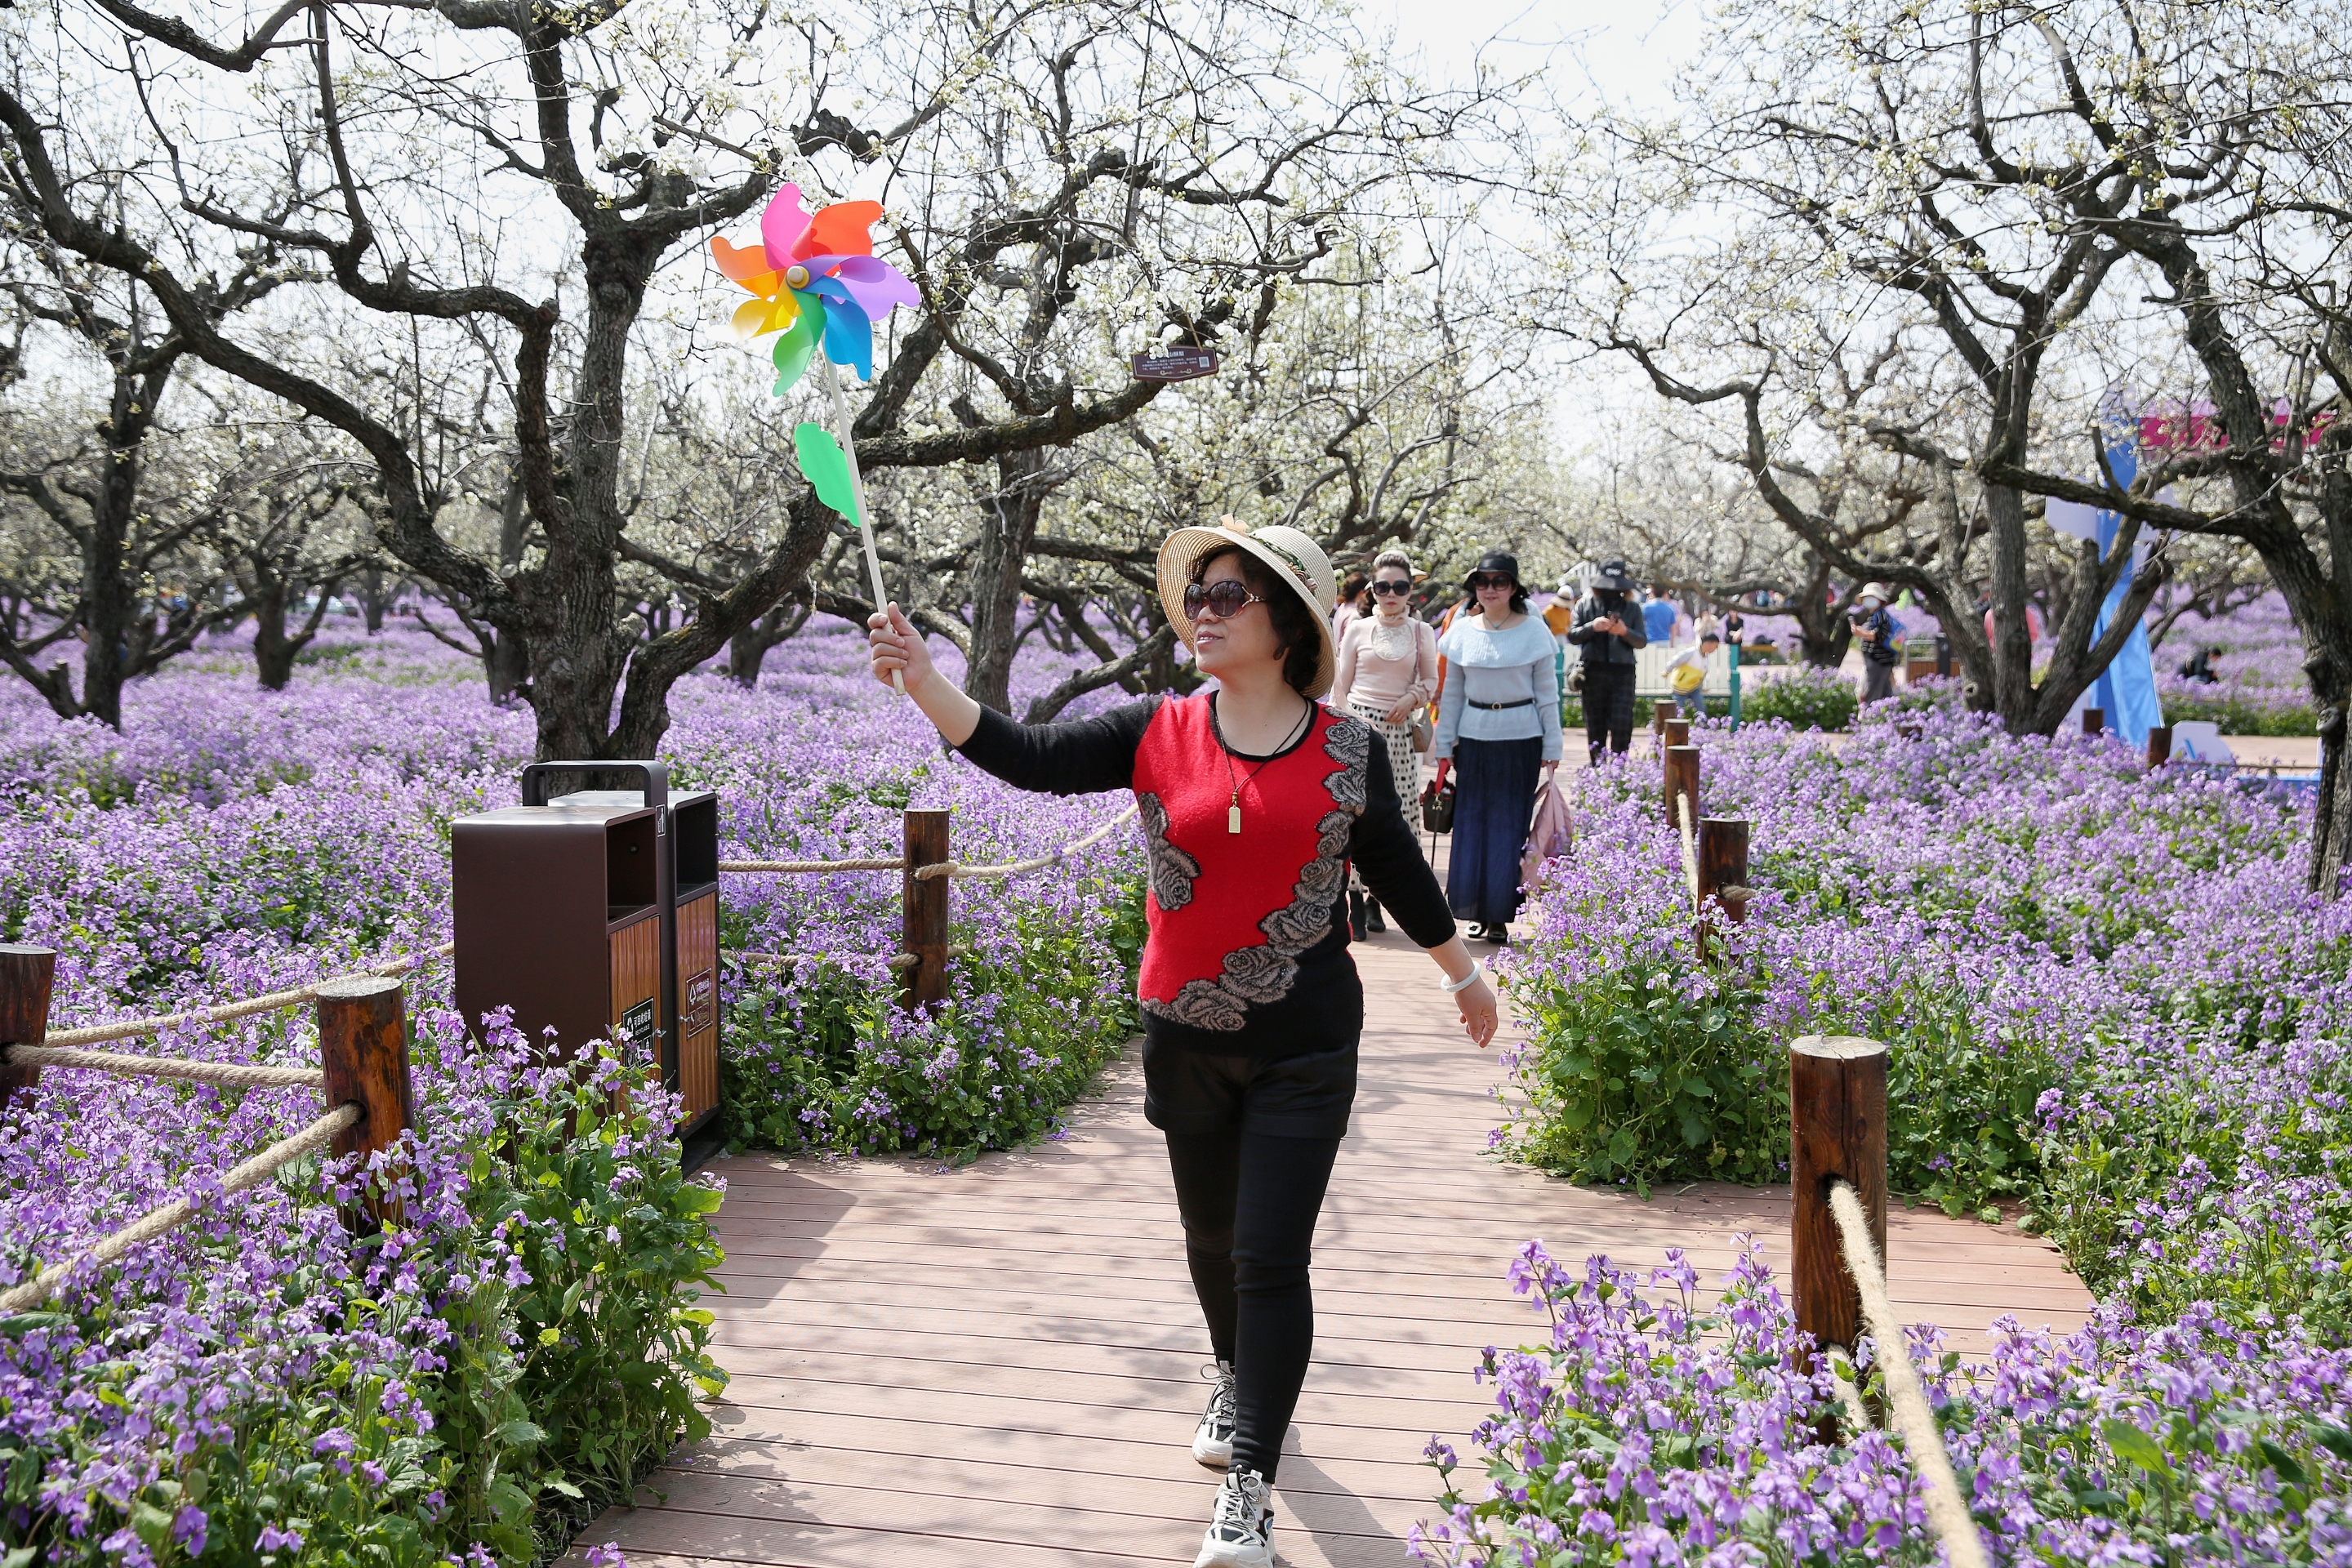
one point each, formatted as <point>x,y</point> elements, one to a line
<point>1254,801</point>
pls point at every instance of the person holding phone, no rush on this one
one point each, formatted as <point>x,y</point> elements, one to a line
<point>1254,800</point>
<point>1609,629</point>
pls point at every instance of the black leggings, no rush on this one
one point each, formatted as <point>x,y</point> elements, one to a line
<point>1249,1202</point>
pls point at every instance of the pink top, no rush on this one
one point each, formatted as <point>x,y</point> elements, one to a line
<point>1384,663</point>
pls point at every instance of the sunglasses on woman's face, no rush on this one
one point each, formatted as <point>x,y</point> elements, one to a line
<point>1390,590</point>
<point>1224,600</point>
<point>1483,581</point>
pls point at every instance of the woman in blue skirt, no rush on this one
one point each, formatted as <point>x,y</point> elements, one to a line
<point>1497,731</point>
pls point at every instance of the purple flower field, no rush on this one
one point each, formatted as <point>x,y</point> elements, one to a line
<point>260,1384</point>
<point>2110,1003</point>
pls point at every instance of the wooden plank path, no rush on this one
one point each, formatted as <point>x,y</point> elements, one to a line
<point>998,1366</point>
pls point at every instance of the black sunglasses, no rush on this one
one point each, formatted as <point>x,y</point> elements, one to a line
<point>1491,580</point>
<point>1390,590</point>
<point>1224,600</point>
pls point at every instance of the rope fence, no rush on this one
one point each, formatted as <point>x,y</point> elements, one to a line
<point>1015,868</point>
<point>137,1028</point>
<point>368,1032</point>
<point>955,868</point>
<point>1690,849</point>
<point>1948,1511</point>
<point>224,1075</point>
<point>363,1077</point>
<point>895,960</point>
<point>318,1135</point>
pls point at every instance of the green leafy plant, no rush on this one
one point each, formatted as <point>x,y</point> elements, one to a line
<point>1802,697</point>
<point>1036,1013</point>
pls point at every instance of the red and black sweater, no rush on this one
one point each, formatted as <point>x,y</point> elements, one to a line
<point>1248,950</point>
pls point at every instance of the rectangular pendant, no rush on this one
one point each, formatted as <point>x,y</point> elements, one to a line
<point>1232,819</point>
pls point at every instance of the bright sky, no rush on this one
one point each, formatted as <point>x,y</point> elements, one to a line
<point>1629,46</point>
<point>1623,52</point>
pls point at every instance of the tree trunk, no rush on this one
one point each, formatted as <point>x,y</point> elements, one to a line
<point>1009,522</point>
<point>373,599</point>
<point>747,650</point>
<point>2331,823</point>
<point>576,654</point>
<point>506,663</point>
<point>111,600</point>
<point>1820,620</point>
<point>273,650</point>
<point>2013,644</point>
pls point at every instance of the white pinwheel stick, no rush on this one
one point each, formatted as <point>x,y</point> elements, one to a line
<point>858,493</point>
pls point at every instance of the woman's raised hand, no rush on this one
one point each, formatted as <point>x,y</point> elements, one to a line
<point>894,645</point>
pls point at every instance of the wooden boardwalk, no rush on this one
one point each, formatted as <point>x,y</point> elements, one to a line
<point>998,1367</point>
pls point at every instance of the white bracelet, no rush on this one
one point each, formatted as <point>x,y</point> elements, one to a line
<point>1456,987</point>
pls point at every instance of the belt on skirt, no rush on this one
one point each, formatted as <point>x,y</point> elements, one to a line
<point>1499,707</point>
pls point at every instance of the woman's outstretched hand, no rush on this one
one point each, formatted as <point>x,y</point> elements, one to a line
<point>1480,1013</point>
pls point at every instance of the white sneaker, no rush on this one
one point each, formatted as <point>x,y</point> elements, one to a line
<point>1240,1533</point>
<point>1213,1440</point>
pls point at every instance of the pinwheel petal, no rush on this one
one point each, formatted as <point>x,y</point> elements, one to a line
<point>840,230</point>
<point>796,349</point>
<point>877,285</point>
<point>750,317</point>
<point>849,336</point>
<point>782,226</point>
<point>738,262</point>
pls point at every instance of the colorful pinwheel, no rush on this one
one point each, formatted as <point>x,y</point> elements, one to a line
<point>815,279</point>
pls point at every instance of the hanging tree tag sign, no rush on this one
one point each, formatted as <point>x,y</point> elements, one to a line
<point>1180,364</point>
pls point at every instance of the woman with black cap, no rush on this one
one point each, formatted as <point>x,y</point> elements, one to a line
<point>1497,728</point>
<point>1254,802</point>
<point>1607,628</point>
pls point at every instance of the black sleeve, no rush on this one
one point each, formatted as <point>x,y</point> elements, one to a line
<point>1388,856</point>
<point>1084,757</point>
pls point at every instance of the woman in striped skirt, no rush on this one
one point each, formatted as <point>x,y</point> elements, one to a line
<point>1388,672</point>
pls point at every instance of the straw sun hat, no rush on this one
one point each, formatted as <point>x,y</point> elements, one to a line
<point>1296,561</point>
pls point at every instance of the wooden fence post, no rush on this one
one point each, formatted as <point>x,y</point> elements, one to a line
<point>1837,1127</point>
<point>924,909</point>
<point>1723,864</point>
<point>25,976</point>
<point>2159,745</point>
<point>1662,711</point>
<point>1681,779</point>
<point>2094,721</point>
<point>363,1049</point>
<point>1677,732</point>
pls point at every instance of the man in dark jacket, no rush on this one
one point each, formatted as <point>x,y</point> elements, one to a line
<point>1608,628</point>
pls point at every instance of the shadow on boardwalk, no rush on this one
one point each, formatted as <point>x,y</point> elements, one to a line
<point>998,1367</point>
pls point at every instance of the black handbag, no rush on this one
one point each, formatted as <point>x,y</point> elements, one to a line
<point>1437,807</point>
